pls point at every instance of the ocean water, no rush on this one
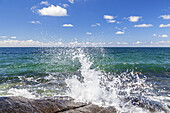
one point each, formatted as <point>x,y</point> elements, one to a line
<point>103,76</point>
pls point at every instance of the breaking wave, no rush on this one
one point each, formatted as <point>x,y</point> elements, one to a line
<point>127,92</point>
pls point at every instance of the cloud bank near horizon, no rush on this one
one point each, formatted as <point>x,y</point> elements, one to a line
<point>32,43</point>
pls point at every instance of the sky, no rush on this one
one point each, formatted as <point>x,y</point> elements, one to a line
<point>111,23</point>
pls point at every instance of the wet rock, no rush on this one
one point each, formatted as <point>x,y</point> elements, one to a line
<point>62,104</point>
<point>56,105</point>
<point>152,106</point>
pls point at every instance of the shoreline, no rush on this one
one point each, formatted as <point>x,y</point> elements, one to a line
<point>60,104</point>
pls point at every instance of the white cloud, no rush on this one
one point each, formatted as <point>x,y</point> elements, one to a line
<point>13,37</point>
<point>111,21</point>
<point>125,28</point>
<point>65,5</point>
<point>67,25</point>
<point>108,17</point>
<point>35,22</point>
<point>110,43</point>
<point>53,11</point>
<point>97,24</point>
<point>138,42</point>
<point>93,25</point>
<point>122,43</point>
<point>165,16</point>
<point>134,18</point>
<point>32,43</point>
<point>163,36</point>
<point>33,9</point>
<point>3,36</point>
<point>71,1</point>
<point>162,42</point>
<point>143,25</point>
<point>117,28</point>
<point>154,35</point>
<point>26,43</point>
<point>120,32</point>
<point>45,3</point>
<point>162,25</point>
<point>89,33</point>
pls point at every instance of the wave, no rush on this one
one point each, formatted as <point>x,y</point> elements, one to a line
<point>75,72</point>
<point>104,89</point>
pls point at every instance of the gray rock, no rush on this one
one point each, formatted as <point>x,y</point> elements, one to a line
<point>56,105</point>
<point>62,104</point>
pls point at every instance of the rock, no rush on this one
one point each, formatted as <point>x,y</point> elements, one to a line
<point>63,104</point>
<point>57,105</point>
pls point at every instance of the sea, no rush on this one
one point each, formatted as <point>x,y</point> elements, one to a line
<point>123,77</point>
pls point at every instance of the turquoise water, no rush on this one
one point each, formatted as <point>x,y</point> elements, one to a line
<point>21,61</point>
<point>43,71</point>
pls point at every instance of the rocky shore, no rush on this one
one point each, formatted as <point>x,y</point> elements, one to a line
<point>60,104</point>
<point>57,105</point>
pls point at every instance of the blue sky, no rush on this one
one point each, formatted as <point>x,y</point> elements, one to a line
<point>85,22</point>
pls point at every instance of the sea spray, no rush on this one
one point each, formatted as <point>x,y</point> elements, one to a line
<point>90,75</point>
<point>88,90</point>
<point>104,89</point>
<point>21,92</point>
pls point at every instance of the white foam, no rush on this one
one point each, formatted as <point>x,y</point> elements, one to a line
<point>110,90</point>
<point>21,92</point>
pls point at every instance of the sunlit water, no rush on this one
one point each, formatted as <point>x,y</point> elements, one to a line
<point>103,76</point>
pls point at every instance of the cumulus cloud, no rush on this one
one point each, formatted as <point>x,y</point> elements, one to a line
<point>97,24</point>
<point>144,44</point>
<point>111,21</point>
<point>3,36</point>
<point>154,35</point>
<point>162,25</point>
<point>35,22</point>
<point>71,1</point>
<point>137,42</point>
<point>134,18</point>
<point>26,43</point>
<point>165,16</point>
<point>162,42</point>
<point>89,33</point>
<point>108,17</point>
<point>122,43</point>
<point>143,25</point>
<point>33,9</point>
<point>13,37</point>
<point>67,25</point>
<point>32,43</point>
<point>120,32</point>
<point>163,36</point>
<point>53,11</point>
<point>65,5</point>
<point>45,3</point>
